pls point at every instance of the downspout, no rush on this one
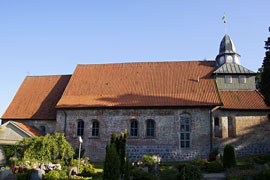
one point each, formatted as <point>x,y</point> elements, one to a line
<point>65,122</point>
<point>211,129</point>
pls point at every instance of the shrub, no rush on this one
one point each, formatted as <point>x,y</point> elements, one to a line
<point>88,170</point>
<point>266,173</point>
<point>127,170</point>
<point>54,174</point>
<point>213,155</point>
<point>168,174</point>
<point>214,167</point>
<point>147,160</point>
<point>190,172</point>
<point>139,174</point>
<point>229,158</point>
<point>111,164</point>
<point>9,150</point>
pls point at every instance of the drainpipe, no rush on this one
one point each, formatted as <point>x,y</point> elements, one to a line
<point>65,125</point>
<point>211,129</point>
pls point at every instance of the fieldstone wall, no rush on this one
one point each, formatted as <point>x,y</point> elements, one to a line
<point>252,130</point>
<point>165,142</point>
<point>49,125</point>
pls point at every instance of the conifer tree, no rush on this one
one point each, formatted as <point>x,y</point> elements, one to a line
<point>111,164</point>
<point>265,75</point>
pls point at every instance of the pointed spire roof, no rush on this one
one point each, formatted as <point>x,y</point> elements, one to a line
<point>227,45</point>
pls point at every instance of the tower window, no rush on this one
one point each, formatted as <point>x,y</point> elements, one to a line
<point>242,79</point>
<point>228,79</point>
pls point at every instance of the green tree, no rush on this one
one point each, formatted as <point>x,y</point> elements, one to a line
<point>44,148</point>
<point>229,156</point>
<point>111,164</point>
<point>264,83</point>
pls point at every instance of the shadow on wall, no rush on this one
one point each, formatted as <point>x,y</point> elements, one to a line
<point>256,140</point>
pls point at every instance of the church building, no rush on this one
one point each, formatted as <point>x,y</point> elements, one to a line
<point>178,110</point>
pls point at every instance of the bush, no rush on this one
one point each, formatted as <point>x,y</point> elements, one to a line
<point>214,167</point>
<point>168,174</point>
<point>190,172</point>
<point>229,158</point>
<point>266,173</point>
<point>139,174</point>
<point>147,160</point>
<point>74,163</point>
<point>111,164</point>
<point>262,159</point>
<point>88,170</point>
<point>213,155</point>
<point>54,174</point>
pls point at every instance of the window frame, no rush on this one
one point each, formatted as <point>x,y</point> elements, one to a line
<point>95,128</point>
<point>150,127</point>
<point>80,128</point>
<point>184,133</point>
<point>244,79</point>
<point>228,79</point>
<point>134,131</point>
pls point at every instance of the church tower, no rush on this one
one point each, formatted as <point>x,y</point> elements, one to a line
<point>229,74</point>
<point>227,52</point>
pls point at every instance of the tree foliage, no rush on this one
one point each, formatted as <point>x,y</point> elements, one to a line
<point>111,164</point>
<point>45,148</point>
<point>264,74</point>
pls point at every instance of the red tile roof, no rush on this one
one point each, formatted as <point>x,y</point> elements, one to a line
<point>243,100</point>
<point>37,98</point>
<point>31,130</point>
<point>142,84</point>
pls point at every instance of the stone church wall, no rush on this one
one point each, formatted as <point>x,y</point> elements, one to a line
<point>165,142</point>
<point>252,132</point>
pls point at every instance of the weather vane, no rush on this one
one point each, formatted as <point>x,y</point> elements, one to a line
<point>225,23</point>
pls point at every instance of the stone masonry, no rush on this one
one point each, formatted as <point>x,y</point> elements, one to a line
<point>165,142</point>
<point>252,132</point>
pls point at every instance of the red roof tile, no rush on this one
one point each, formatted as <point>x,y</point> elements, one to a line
<point>37,98</point>
<point>242,100</point>
<point>142,84</point>
<point>31,130</point>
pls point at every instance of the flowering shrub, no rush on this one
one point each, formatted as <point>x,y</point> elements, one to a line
<point>16,170</point>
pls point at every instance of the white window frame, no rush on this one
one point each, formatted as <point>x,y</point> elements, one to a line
<point>81,129</point>
<point>183,123</point>
<point>228,79</point>
<point>244,79</point>
<point>132,129</point>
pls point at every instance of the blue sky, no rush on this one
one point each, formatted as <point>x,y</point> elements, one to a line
<point>47,37</point>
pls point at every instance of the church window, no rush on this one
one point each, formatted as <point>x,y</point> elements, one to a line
<point>185,131</point>
<point>80,128</point>
<point>43,129</point>
<point>242,79</point>
<point>216,121</point>
<point>134,128</point>
<point>150,128</point>
<point>228,79</point>
<point>95,128</point>
<point>231,127</point>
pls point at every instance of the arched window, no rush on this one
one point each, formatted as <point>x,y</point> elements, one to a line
<point>150,128</point>
<point>185,130</point>
<point>95,128</point>
<point>80,128</point>
<point>134,128</point>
